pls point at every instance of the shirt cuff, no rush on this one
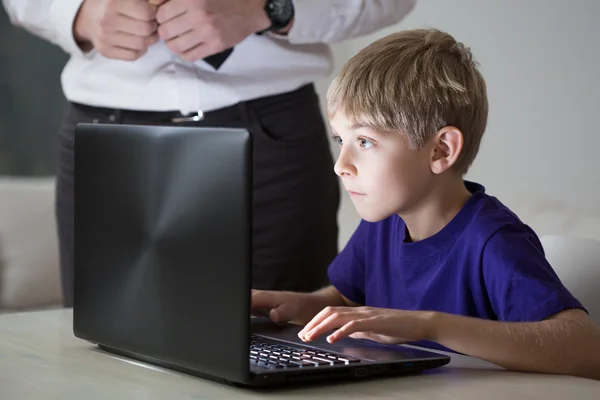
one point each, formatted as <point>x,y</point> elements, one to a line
<point>62,15</point>
<point>314,21</point>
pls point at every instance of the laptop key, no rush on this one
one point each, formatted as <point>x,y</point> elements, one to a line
<point>322,361</point>
<point>348,360</point>
<point>292,356</point>
<point>304,363</point>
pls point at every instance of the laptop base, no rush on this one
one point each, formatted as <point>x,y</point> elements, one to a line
<point>289,379</point>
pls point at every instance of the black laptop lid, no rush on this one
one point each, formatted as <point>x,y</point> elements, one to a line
<point>162,243</point>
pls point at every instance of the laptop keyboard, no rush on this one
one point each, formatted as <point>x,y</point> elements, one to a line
<point>267,353</point>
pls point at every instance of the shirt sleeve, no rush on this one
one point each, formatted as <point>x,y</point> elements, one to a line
<point>328,21</point>
<point>521,284</point>
<point>347,271</point>
<point>51,20</point>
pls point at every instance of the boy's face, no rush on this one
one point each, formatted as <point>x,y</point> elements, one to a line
<point>380,172</point>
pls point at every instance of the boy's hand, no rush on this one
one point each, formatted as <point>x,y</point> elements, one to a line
<point>281,306</point>
<point>196,29</point>
<point>118,29</point>
<point>378,324</point>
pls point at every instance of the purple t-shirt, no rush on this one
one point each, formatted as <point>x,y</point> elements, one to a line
<point>484,263</point>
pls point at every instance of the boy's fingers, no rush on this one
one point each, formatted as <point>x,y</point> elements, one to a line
<point>334,320</point>
<point>281,307</point>
<point>351,327</point>
<point>284,312</point>
<point>263,300</point>
<point>325,313</point>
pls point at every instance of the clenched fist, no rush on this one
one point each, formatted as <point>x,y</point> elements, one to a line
<point>195,29</point>
<point>119,29</point>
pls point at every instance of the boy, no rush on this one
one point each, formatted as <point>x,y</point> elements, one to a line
<point>435,261</point>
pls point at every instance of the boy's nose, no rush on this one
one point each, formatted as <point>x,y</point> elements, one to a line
<point>343,166</point>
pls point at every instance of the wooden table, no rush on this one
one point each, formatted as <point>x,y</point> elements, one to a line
<point>41,359</point>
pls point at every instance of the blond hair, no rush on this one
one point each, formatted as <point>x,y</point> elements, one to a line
<point>414,82</point>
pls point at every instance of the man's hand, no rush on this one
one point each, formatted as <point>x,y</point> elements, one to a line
<point>119,29</point>
<point>195,29</point>
<point>378,324</point>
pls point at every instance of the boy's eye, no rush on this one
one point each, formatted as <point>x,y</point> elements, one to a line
<point>365,143</point>
<point>338,140</point>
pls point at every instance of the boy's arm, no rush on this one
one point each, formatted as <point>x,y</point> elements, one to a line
<point>540,326</point>
<point>294,307</point>
<point>543,326</point>
<point>332,297</point>
<point>567,343</point>
<point>315,302</point>
<point>297,308</point>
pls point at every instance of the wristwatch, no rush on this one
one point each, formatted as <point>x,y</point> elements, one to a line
<point>280,13</point>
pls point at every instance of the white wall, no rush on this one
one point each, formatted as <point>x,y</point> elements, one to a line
<point>541,61</point>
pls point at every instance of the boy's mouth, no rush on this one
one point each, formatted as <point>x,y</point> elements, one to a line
<point>353,193</point>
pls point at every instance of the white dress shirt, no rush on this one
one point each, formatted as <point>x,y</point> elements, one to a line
<point>160,81</point>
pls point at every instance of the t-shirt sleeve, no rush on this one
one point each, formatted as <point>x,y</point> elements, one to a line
<point>347,271</point>
<point>521,284</point>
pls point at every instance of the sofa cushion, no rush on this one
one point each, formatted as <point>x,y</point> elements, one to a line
<point>29,267</point>
<point>577,264</point>
<point>550,217</point>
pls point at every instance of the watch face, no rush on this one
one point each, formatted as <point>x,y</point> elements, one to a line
<point>281,11</point>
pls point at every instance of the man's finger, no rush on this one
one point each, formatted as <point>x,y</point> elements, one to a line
<point>139,10</point>
<point>132,26</point>
<point>199,52</point>
<point>172,29</point>
<point>119,53</point>
<point>170,10</point>
<point>130,42</point>
<point>182,44</point>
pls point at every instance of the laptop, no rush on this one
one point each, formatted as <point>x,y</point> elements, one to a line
<point>163,250</point>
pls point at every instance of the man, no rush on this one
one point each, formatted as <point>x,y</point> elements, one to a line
<point>230,63</point>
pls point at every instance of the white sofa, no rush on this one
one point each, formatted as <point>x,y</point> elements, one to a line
<point>29,272</point>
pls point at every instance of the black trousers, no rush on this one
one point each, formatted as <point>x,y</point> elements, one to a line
<point>296,193</point>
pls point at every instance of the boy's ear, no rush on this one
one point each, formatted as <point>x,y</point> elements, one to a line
<point>447,145</point>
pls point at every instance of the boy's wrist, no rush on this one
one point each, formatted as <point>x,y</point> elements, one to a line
<point>433,323</point>
<point>313,303</point>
